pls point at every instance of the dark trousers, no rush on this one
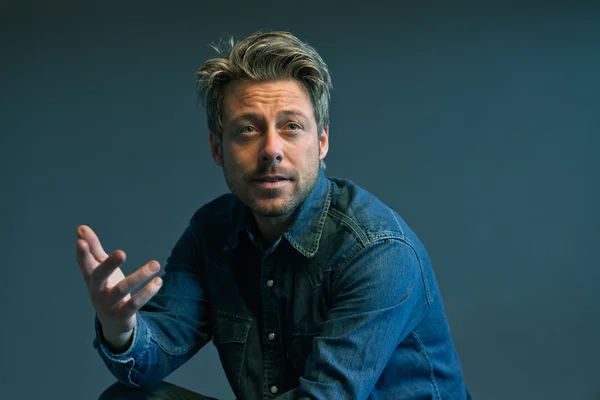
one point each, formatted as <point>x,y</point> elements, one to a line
<point>162,391</point>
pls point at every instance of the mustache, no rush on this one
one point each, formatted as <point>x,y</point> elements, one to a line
<point>271,171</point>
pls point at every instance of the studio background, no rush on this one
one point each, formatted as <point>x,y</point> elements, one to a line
<point>478,124</point>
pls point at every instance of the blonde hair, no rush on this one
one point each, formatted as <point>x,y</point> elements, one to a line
<point>263,56</point>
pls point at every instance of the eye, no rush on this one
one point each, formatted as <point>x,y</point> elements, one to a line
<point>293,126</point>
<point>246,129</point>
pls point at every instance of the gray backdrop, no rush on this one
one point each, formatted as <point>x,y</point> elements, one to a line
<point>479,125</point>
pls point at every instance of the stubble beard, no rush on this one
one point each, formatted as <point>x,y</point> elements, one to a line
<point>239,187</point>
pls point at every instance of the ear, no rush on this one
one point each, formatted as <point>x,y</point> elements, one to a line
<point>324,142</point>
<point>216,149</point>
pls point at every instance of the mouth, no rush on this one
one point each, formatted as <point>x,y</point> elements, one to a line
<point>272,178</point>
<point>271,181</point>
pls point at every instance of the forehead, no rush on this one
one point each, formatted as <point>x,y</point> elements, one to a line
<point>243,96</point>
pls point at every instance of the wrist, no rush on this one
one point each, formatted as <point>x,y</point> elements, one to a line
<point>119,343</point>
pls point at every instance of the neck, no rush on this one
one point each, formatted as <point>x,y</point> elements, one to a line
<point>271,228</point>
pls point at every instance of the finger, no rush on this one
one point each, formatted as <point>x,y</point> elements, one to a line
<point>138,300</point>
<point>102,272</point>
<point>86,233</point>
<point>131,283</point>
<point>85,260</point>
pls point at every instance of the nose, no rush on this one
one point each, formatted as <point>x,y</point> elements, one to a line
<point>272,149</point>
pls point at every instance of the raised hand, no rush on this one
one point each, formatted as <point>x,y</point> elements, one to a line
<point>109,289</point>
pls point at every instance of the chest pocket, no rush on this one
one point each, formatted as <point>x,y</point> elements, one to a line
<point>230,337</point>
<point>300,347</point>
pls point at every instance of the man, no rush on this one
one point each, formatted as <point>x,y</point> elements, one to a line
<point>308,286</point>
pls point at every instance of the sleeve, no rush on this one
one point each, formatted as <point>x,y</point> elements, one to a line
<point>172,326</point>
<point>378,298</point>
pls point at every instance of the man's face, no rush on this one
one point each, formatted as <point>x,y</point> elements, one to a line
<point>270,149</point>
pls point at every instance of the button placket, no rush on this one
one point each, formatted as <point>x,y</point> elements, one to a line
<point>271,349</point>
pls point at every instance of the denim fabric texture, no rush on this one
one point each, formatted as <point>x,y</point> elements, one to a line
<point>345,305</point>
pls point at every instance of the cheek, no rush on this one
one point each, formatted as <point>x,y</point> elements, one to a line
<point>307,160</point>
<point>234,157</point>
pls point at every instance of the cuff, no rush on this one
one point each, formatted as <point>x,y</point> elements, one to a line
<point>122,364</point>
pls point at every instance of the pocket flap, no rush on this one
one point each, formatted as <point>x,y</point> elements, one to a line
<point>230,328</point>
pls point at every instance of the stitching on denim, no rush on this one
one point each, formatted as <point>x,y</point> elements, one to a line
<point>136,332</point>
<point>234,317</point>
<point>358,249</point>
<point>320,224</point>
<point>181,350</point>
<point>344,219</point>
<point>423,278</point>
<point>397,222</point>
<point>241,373</point>
<point>130,371</point>
<point>386,235</point>
<point>338,269</point>
<point>430,374</point>
<point>322,217</point>
<point>408,243</point>
<point>227,316</point>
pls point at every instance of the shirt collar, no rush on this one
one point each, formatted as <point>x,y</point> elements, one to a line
<point>304,234</point>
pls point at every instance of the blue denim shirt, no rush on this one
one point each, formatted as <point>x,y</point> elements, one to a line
<point>344,305</point>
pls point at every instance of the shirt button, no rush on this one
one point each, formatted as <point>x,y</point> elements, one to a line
<point>274,389</point>
<point>271,337</point>
<point>269,283</point>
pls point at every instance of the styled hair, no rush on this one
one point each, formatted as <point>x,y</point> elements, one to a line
<point>263,56</point>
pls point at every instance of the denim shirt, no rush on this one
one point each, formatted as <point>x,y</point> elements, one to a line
<point>345,305</point>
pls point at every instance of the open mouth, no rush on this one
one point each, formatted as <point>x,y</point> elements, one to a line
<point>274,179</point>
<point>271,181</point>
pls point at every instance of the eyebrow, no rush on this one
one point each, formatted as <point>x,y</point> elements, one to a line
<point>296,113</point>
<point>255,116</point>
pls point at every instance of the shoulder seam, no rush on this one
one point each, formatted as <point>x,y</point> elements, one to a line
<point>391,238</point>
<point>339,216</point>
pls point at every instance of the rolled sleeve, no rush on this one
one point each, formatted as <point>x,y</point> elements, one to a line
<point>121,365</point>
<point>171,327</point>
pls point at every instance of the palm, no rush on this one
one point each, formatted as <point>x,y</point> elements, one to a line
<point>115,277</point>
<point>109,289</point>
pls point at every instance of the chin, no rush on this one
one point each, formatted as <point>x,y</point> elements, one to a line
<point>272,210</point>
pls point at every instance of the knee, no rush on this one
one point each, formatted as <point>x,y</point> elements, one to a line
<point>118,391</point>
<point>160,391</point>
